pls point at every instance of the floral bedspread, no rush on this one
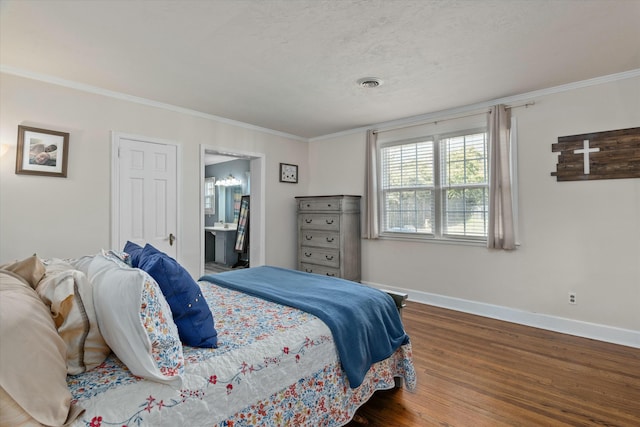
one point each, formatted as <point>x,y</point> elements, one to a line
<point>275,366</point>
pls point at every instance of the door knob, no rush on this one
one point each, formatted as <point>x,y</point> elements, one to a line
<point>171,239</point>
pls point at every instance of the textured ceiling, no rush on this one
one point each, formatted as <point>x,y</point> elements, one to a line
<point>292,65</point>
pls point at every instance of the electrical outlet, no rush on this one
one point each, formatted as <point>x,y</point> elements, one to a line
<point>572,298</point>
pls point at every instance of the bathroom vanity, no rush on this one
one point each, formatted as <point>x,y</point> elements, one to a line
<point>225,238</point>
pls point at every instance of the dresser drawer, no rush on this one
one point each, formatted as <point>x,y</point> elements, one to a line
<point>325,257</point>
<point>320,239</point>
<point>329,235</point>
<point>317,269</point>
<point>319,222</point>
<point>322,204</point>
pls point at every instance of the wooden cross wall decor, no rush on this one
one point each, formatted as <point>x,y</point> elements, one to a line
<point>601,155</point>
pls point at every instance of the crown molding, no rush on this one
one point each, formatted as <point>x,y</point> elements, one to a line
<point>138,100</point>
<point>509,100</point>
<point>524,97</point>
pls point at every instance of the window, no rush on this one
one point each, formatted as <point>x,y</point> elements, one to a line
<point>435,187</point>
<point>210,196</point>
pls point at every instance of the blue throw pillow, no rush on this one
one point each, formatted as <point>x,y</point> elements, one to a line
<point>191,313</point>
<point>134,252</point>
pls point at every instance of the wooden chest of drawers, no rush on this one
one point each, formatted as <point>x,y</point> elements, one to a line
<point>329,235</point>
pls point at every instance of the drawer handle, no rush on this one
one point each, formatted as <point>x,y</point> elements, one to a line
<point>330,239</point>
<point>307,254</point>
<point>329,205</point>
<point>329,221</point>
<point>308,205</point>
<point>308,270</point>
<point>329,257</point>
<point>308,237</point>
<point>331,274</point>
<point>308,221</point>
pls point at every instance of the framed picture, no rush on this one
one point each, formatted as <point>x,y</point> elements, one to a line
<point>42,152</point>
<point>288,173</point>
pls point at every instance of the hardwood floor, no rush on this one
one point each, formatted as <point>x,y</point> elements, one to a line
<point>475,371</point>
<point>213,268</point>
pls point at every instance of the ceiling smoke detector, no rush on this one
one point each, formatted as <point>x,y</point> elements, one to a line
<point>369,82</point>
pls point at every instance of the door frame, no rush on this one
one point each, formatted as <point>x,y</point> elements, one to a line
<point>257,217</point>
<point>115,187</point>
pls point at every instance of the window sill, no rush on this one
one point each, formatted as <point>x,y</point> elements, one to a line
<point>441,241</point>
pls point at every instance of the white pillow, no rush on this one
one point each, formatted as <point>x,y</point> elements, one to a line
<point>135,320</point>
<point>82,263</point>
<point>69,296</point>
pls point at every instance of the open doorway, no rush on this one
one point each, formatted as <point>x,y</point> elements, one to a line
<point>239,176</point>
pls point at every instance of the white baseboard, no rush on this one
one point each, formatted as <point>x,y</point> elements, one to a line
<point>578,328</point>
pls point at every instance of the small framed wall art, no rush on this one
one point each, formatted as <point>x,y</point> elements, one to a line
<point>288,173</point>
<point>42,152</point>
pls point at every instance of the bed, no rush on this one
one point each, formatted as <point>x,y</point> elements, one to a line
<point>272,363</point>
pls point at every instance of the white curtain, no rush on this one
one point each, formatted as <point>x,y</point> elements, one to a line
<point>370,222</point>
<point>501,230</point>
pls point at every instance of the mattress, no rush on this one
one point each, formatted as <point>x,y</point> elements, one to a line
<point>274,365</point>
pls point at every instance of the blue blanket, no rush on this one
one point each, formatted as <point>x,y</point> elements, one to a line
<point>364,321</point>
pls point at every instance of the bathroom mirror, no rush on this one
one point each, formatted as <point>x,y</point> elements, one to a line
<point>228,202</point>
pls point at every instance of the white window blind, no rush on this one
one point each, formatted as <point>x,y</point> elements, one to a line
<point>408,187</point>
<point>465,188</point>
<point>435,187</point>
<point>210,196</point>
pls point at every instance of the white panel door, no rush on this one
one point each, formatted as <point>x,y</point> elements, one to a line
<point>147,194</point>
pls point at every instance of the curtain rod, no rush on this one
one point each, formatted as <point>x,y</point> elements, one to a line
<point>435,122</point>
